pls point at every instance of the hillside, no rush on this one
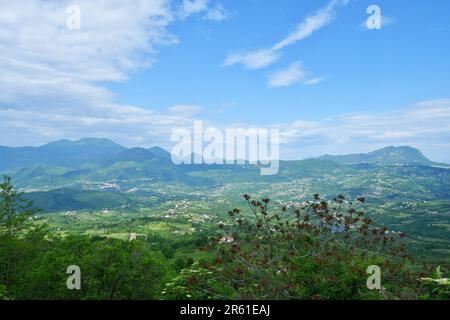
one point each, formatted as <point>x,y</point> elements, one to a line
<point>397,155</point>
<point>97,165</point>
<point>58,153</point>
<point>72,199</point>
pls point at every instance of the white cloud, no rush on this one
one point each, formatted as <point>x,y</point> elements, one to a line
<point>312,23</point>
<point>190,7</point>
<point>313,81</point>
<point>264,57</point>
<point>51,77</point>
<point>293,74</point>
<point>213,13</point>
<point>252,59</point>
<point>424,125</point>
<point>183,110</point>
<point>355,133</point>
<point>217,13</point>
<point>43,62</point>
<point>131,126</point>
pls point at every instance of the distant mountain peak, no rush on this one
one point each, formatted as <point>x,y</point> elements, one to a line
<point>391,154</point>
<point>95,140</point>
<point>398,148</point>
<point>59,153</point>
<point>133,155</point>
<point>65,145</point>
<point>159,149</point>
<point>136,152</point>
<point>62,142</point>
<point>160,152</point>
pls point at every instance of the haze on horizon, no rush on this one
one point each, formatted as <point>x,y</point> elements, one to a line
<point>405,152</point>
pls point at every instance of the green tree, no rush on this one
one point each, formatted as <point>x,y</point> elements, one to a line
<point>14,209</point>
<point>320,250</point>
<point>14,214</point>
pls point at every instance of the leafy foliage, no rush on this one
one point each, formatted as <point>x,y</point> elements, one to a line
<point>319,251</point>
<point>33,262</point>
<point>14,209</point>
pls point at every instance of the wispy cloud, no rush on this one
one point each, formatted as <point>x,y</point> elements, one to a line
<point>190,7</point>
<point>264,57</point>
<point>211,12</point>
<point>185,110</point>
<point>313,81</point>
<point>52,78</point>
<point>423,125</point>
<point>217,13</point>
<point>293,74</point>
<point>312,23</point>
<point>385,22</point>
<point>252,59</point>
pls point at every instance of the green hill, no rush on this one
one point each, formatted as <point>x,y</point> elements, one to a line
<point>72,199</point>
<point>398,155</point>
<point>58,153</point>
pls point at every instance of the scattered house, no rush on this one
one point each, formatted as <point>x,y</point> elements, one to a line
<point>132,190</point>
<point>226,240</point>
<point>221,223</point>
<point>133,236</point>
<point>70,213</point>
<point>108,186</point>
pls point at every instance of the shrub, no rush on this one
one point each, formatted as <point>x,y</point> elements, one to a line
<point>319,250</point>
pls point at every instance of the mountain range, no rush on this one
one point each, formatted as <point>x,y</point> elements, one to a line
<point>104,152</point>
<point>98,173</point>
<point>400,155</point>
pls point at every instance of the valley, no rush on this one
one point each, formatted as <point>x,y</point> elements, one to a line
<point>140,191</point>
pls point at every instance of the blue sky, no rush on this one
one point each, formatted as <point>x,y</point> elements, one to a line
<point>311,68</point>
<point>364,71</point>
